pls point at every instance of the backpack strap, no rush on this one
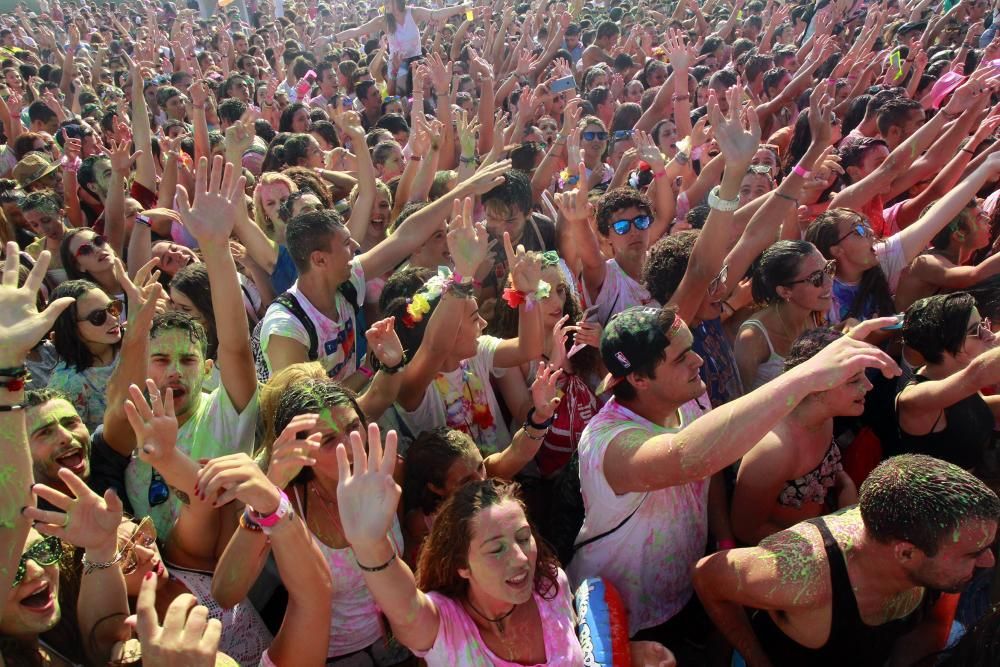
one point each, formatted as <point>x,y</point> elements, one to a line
<point>293,306</point>
<point>591,540</point>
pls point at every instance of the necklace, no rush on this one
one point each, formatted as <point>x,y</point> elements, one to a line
<point>334,518</point>
<point>498,621</point>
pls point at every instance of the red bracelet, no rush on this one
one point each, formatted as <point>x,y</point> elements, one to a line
<point>660,174</point>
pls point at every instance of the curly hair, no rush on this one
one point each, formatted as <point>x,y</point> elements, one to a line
<point>666,264</point>
<point>616,200</point>
<point>428,459</point>
<point>446,549</point>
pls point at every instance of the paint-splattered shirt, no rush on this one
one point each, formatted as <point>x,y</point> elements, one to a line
<point>87,390</point>
<point>459,642</point>
<point>619,291</point>
<point>649,558</point>
<point>337,339</point>
<point>215,429</point>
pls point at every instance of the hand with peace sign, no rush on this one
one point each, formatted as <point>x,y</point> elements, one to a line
<point>574,204</point>
<point>525,269</point>
<point>468,242</point>
<point>21,325</point>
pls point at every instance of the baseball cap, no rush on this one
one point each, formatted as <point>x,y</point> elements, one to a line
<point>635,338</point>
<point>32,167</point>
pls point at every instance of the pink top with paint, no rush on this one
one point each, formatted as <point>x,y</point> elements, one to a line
<point>458,640</point>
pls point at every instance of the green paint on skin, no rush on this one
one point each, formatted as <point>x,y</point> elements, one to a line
<point>796,561</point>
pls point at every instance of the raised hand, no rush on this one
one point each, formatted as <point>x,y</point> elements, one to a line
<point>440,74</point>
<point>847,356</point>
<point>154,423</point>
<point>290,453</point>
<point>487,177</point>
<point>21,324</point>
<point>367,495</point>
<point>574,204</point>
<point>525,269</point>
<point>384,343</point>
<point>85,519</point>
<point>187,637</point>
<point>349,123</point>
<point>211,218</point>
<point>738,143</point>
<point>821,116</point>
<point>239,135</point>
<point>545,395</point>
<point>467,242</point>
<point>647,151</point>
<point>121,157</point>
<point>677,50</point>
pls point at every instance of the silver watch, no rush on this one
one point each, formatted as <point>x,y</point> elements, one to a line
<point>719,204</point>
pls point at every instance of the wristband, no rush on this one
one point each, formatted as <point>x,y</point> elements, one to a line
<point>458,278</point>
<point>539,427</point>
<point>659,174</point>
<point>269,521</point>
<point>970,152</point>
<point>416,158</point>
<point>70,166</point>
<point>722,205</point>
<point>682,157</point>
<point>784,196</point>
<point>726,544</point>
<point>143,220</point>
<point>11,408</point>
<point>14,372</point>
<point>377,568</point>
<point>13,384</point>
<point>392,370</point>
<point>678,98</point>
<point>367,372</point>
<point>247,522</point>
<point>799,170</point>
<point>536,438</point>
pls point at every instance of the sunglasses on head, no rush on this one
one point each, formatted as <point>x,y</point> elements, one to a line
<point>594,135</point>
<point>45,552</point>
<point>99,317</point>
<point>89,248</point>
<point>143,535</point>
<point>817,278</point>
<point>640,222</point>
<point>981,330</point>
<point>861,229</point>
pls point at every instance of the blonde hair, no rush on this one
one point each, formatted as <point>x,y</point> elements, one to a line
<point>266,179</point>
<point>270,397</point>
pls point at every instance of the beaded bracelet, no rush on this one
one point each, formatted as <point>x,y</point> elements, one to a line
<point>378,568</point>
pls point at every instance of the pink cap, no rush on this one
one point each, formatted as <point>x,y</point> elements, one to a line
<point>944,87</point>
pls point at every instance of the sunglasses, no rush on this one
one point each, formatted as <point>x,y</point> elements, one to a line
<point>45,552</point>
<point>640,222</point>
<point>981,330</point>
<point>159,492</point>
<point>88,249</point>
<point>143,535</point>
<point>817,278</point>
<point>861,229</point>
<point>99,317</point>
<point>594,135</point>
<point>719,281</point>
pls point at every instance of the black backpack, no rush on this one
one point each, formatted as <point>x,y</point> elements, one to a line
<point>292,305</point>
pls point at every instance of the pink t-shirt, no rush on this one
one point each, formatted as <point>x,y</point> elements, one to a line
<point>459,643</point>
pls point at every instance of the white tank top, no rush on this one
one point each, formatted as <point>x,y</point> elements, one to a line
<point>649,558</point>
<point>406,40</point>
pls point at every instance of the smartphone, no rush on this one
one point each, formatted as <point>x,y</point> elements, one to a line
<point>900,318</point>
<point>563,84</point>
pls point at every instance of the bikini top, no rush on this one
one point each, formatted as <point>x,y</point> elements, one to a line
<point>814,485</point>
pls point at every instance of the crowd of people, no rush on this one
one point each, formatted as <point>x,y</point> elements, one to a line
<point>361,334</point>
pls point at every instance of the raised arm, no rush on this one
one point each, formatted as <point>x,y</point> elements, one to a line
<point>576,209</point>
<point>722,436</point>
<point>142,136</point>
<point>377,23</point>
<point>350,124</point>
<point>368,498</point>
<point>211,221</point>
<point>21,327</point>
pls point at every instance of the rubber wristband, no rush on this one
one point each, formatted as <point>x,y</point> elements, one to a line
<point>799,170</point>
<point>660,174</point>
<point>377,568</point>
<point>538,427</point>
<point>10,408</point>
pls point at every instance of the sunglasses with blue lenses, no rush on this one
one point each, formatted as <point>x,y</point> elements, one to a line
<point>159,492</point>
<point>44,552</point>
<point>640,222</point>
<point>861,229</point>
<point>621,135</point>
<point>594,135</point>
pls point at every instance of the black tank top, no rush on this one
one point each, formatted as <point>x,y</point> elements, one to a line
<point>852,641</point>
<point>966,435</point>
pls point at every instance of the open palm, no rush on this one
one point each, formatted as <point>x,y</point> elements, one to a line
<point>21,325</point>
<point>367,494</point>
<point>211,218</point>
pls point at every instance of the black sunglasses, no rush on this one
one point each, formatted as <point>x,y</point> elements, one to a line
<point>45,552</point>
<point>99,317</point>
<point>89,248</point>
<point>861,229</point>
<point>817,278</point>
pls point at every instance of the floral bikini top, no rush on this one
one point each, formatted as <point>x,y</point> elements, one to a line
<point>813,486</point>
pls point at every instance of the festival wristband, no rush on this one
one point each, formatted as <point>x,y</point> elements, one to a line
<point>529,421</point>
<point>799,170</point>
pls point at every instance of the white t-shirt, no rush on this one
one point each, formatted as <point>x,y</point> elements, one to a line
<point>215,429</point>
<point>649,558</point>
<point>463,399</point>
<point>619,291</point>
<point>337,340</point>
